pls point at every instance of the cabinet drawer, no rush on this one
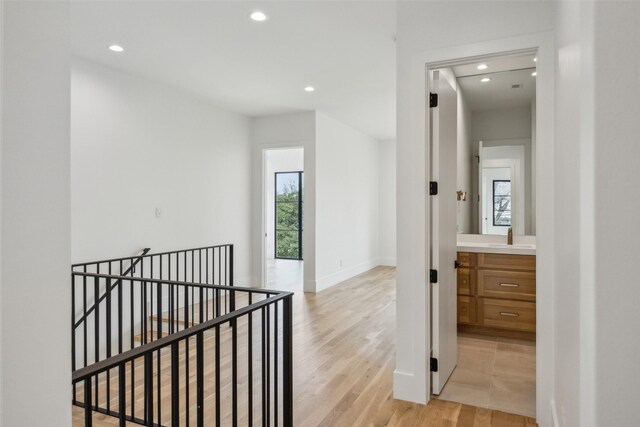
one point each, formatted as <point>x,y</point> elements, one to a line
<point>466,310</point>
<point>467,259</point>
<point>519,285</point>
<point>464,281</point>
<point>507,262</point>
<point>516,315</point>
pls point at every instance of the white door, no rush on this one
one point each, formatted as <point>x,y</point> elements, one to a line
<point>444,335</point>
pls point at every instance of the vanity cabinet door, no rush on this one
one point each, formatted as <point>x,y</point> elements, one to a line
<point>464,281</point>
<point>466,310</point>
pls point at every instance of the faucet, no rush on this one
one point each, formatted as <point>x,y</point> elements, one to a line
<point>510,236</point>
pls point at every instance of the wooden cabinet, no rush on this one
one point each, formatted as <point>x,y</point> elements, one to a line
<point>497,294</point>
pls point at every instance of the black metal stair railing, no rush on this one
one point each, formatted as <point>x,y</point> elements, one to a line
<point>91,303</point>
<point>230,369</point>
<point>130,328</point>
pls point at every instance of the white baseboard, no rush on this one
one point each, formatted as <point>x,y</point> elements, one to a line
<point>344,274</point>
<point>404,388</point>
<point>310,286</point>
<point>554,414</point>
<point>387,261</point>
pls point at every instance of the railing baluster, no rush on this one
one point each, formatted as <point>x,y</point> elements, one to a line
<point>73,333</point>
<point>96,356</point>
<point>264,368</point>
<point>159,387</point>
<point>84,313</point>
<point>250,364</point>
<point>148,389</point>
<point>217,366</point>
<point>175,385</point>
<point>287,362</point>
<point>234,372</point>
<point>108,339</point>
<point>200,378</point>
<point>120,316</point>
<point>186,378</point>
<point>268,310</point>
<point>88,416</point>
<point>275,364</point>
<point>122,396</point>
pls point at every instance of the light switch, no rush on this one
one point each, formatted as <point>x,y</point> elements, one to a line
<point>158,212</point>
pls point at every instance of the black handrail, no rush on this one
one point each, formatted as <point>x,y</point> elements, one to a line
<point>131,268</point>
<point>104,261</point>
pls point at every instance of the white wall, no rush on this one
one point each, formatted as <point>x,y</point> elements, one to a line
<point>284,131</point>
<point>387,202</point>
<point>466,166</point>
<point>510,123</point>
<point>138,146</point>
<point>278,160</point>
<point>616,177</point>
<point>596,119</point>
<point>430,30</point>
<point>347,223</point>
<point>36,296</point>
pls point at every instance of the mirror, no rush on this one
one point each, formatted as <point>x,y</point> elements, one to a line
<point>496,146</point>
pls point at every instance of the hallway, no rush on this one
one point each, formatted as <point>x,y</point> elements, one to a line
<point>344,361</point>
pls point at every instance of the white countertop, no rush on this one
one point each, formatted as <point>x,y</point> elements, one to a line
<point>522,245</point>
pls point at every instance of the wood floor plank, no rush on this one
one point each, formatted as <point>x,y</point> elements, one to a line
<point>343,366</point>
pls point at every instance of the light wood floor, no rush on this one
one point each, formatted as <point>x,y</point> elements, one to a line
<point>285,275</point>
<point>344,361</point>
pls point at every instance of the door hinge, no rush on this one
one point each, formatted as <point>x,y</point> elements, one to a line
<point>433,276</point>
<point>433,100</point>
<point>434,364</point>
<point>433,188</point>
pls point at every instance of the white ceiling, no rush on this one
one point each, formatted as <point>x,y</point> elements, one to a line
<point>498,93</point>
<point>212,49</point>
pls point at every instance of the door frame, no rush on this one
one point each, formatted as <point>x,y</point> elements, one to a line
<point>411,376</point>
<point>259,223</point>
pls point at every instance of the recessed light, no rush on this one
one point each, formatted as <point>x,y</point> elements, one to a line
<point>483,67</point>
<point>309,89</point>
<point>258,16</point>
<point>535,73</point>
<point>485,80</point>
<point>116,48</point>
<point>535,59</point>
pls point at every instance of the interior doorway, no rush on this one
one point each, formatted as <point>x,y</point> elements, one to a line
<point>483,296</point>
<point>284,218</point>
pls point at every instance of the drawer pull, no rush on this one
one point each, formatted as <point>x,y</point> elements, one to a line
<point>510,285</point>
<point>506,313</point>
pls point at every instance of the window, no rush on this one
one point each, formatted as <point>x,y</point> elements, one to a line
<point>502,203</point>
<point>288,215</point>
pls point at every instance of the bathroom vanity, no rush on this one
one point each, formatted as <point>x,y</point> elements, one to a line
<point>497,290</point>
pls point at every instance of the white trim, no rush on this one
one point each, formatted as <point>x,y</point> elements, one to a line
<point>344,274</point>
<point>413,346</point>
<point>387,261</point>
<point>259,224</point>
<point>554,414</point>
